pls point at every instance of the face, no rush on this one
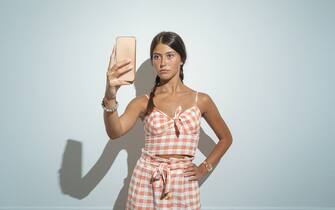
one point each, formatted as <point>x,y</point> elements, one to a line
<point>166,61</point>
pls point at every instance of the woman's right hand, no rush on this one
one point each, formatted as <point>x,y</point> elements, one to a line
<point>115,70</point>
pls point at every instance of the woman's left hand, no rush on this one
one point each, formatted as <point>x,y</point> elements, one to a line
<point>194,172</point>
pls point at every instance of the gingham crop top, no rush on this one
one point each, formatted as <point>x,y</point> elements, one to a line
<point>178,135</point>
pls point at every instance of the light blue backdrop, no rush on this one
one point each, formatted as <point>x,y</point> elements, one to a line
<point>268,65</point>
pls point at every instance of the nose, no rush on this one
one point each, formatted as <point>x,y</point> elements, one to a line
<point>163,61</point>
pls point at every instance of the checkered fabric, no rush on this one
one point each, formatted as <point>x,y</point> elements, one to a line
<point>177,135</point>
<point>159,183</point>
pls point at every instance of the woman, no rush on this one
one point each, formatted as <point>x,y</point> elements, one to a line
<point>165,176</point>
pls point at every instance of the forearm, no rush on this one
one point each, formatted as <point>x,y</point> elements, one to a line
<point>219,150</point>
<point>112,121</point>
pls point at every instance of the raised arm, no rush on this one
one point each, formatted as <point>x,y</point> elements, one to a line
<point>118,126</point>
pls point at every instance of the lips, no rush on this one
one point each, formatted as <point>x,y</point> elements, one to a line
<point>162,71</point>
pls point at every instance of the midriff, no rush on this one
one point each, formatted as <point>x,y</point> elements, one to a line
<point>174,155</point>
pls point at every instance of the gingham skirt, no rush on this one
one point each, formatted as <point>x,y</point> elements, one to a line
<point>159,183</point>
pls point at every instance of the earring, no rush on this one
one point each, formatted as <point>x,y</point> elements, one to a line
<point>181,64</point>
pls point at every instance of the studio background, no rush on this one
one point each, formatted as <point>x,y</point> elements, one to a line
<point>268,66</point>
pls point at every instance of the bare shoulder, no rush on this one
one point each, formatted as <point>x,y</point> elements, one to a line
<point>205,103</point>
<point>210,112</point>
<point>203,97</point>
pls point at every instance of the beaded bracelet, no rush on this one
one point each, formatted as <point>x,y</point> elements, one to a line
<point>111,110</point>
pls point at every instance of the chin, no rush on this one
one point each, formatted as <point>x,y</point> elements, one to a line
<point>165,77</point>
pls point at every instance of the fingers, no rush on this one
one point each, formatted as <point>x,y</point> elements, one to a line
<point>117,73</point>
<point>112,59</point>
<point>113,76</point>
<point>124,82</point>
<point>189,169</point>
<point>115,69</point>
<point>113,52</point>
<point>194,178</point>
<point>113,64</point>
<point>120,68</point>
<point>192,173</point>
<point>118,82</point>
<point>119,65</point>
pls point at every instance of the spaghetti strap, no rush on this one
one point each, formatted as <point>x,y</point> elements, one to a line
<point>196,98</point>
<point>147,96</point>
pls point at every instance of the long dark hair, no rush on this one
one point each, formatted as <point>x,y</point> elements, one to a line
<point>174,41</point>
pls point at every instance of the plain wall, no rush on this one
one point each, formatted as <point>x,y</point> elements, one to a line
<point>268,66</point>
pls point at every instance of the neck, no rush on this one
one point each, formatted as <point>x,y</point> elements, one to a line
<point>171,86</point>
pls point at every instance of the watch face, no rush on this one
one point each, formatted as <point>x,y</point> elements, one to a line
<point>208,166</point>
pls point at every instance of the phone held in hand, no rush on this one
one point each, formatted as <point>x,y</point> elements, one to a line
<point>126,49</point>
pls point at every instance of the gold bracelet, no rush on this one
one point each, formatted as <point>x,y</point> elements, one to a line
<point>208,166</point>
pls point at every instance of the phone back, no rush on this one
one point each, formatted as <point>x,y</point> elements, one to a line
<point>125,49</point>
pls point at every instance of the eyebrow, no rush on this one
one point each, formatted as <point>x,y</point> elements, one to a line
<point>165,53</point>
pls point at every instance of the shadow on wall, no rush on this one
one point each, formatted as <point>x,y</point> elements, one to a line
<point>75,185</point>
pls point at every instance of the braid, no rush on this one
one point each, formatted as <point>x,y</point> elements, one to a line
<point>174,41</point>
<point>151,105</point>
<point>181,73</point>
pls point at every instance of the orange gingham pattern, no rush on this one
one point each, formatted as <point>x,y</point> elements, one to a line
<point>177,135</point>
<point>146,195</point>
<point>166,135</point>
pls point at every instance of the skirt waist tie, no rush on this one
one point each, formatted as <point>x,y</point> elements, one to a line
<point>162,173</point>
<point>162,170</point>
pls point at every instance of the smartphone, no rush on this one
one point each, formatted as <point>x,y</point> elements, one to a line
<point>126,49</point>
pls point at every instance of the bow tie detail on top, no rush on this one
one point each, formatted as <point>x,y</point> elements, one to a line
<point>181,120</point>
<point>177,121</point>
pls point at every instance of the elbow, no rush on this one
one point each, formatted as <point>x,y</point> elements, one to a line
<point>113,135</point>
<point>230,140</point>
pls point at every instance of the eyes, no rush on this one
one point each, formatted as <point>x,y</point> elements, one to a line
<point>169,56</point>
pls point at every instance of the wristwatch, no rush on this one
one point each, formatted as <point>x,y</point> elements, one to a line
<point>208,166</point>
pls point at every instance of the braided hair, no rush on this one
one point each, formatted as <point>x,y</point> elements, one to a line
<point>174,41</point>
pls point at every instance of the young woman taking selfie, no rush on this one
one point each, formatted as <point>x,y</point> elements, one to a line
<point>165,176</point>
